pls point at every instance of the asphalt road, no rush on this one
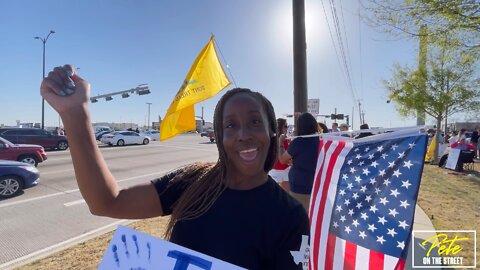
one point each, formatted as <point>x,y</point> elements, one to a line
<point>53,215</point>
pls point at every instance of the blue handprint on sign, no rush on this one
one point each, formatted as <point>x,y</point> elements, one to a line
<point>133,250</point>
<point>120,253</point>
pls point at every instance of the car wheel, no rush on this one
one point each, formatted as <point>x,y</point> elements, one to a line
<point>28,159</point>
<point>62,145</point>
<point>212,140</point>
<point>10,186</point>
<point>145,141</point>
<point>121,143</point>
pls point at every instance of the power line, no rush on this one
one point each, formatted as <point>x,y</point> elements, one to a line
<point>349,62</point>
<point>360,50</point>
<point>343,62</point>
<point>342,48</point>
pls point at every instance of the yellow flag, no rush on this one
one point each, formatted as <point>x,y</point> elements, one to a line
<point>204,80</point>
<point>431,150</point>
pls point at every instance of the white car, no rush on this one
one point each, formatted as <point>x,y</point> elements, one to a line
<point>122,138</point>
<point>153,134</point>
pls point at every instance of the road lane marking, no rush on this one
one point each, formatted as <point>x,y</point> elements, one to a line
<point>74,202</point>
<point>43,173</point>
<point>73,240</point>
<point>56,159</point>
<point>38,198</point>
<point>75,190</point>
<point>189,148</point>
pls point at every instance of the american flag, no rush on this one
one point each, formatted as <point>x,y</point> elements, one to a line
<point>363,201</point>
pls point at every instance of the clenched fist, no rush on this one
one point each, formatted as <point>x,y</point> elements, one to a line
<point>64,90</point>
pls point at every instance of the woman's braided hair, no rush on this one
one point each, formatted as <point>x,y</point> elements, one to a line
<point>208,179</point>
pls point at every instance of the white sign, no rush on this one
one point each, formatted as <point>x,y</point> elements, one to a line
<point>452,160</point>
<point>442,149</point>
<point>313,106</point>
<point>131,249</point>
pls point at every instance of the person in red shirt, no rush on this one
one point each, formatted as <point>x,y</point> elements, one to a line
<point>462,144</point>
<point>279,172</point>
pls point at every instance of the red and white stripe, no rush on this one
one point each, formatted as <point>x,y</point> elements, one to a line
<point>349,256</point>
<point>326,250</point>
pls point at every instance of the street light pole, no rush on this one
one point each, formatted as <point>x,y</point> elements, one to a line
<point>44,41</point>
<point>148,123</point>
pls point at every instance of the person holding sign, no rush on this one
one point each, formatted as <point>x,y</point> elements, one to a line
<point>463,156</point>
<point>231,209</point>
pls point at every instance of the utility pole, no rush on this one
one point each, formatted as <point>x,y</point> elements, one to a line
<point>353,111</point>
<point>148,123</point>
<point>335,120</point>
<point>201,126</point>
<point>300,94</point>
<point>360,112</point>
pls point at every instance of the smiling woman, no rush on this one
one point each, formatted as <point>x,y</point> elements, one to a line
<point>231,210</point>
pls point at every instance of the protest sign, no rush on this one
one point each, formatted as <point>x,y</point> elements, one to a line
<point>131,249</point>
<point>452,160</point>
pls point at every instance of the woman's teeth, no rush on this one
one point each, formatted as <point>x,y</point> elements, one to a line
<point>248,155</point>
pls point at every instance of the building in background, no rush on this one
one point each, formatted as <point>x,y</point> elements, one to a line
<point>469,126</point>
<point>206,125</point>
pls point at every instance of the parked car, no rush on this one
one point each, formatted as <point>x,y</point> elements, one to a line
<point>99,134</point>
<point>122,138</point>
<point>97,129</point>
<point>27,153</point>
<point>153,134</point>
<point>16,176</point>
<point>211,135</point>
<point>35,136</point>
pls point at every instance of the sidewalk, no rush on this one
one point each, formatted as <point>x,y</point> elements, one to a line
<point>421,222</point>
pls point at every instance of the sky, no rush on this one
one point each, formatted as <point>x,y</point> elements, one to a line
<point>120,44</point>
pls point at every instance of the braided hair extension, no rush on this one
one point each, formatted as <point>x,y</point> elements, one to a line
<point>208,179</point>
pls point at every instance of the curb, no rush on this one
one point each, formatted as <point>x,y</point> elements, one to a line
<point>45,252</point>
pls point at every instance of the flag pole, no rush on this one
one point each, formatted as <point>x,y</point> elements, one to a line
<point>225,61</point>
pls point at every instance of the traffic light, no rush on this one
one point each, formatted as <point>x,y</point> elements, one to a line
<point>203,122</point>
<point>336,116</point>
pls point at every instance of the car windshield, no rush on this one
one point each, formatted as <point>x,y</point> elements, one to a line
<point>7,142</point>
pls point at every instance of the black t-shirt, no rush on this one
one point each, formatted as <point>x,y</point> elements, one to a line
<point>304,152</point>
<point>254,229</point>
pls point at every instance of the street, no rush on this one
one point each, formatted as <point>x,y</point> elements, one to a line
<point>53,215</point>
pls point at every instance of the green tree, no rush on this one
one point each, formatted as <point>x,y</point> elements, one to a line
<point>449,84</point>
<point>458,18</point>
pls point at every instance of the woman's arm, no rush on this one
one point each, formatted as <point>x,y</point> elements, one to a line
<point>95,181</point>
